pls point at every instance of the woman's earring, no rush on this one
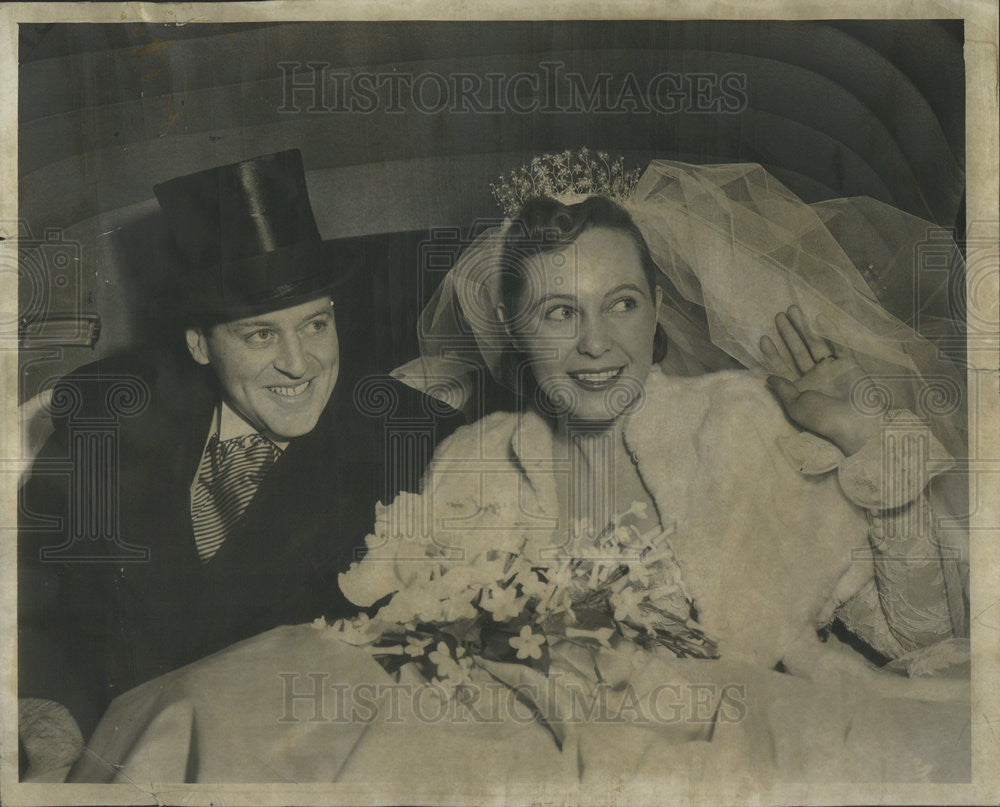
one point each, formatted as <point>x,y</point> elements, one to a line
<point>659,344</point>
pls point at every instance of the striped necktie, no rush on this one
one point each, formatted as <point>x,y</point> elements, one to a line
<point>228,477</point>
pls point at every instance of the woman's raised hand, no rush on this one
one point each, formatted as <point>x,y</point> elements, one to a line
<point>816,382</point>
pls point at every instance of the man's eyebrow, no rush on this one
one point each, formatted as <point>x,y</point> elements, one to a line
<point>253,323</point>
<point>268,323</point>
<point>324,312</point>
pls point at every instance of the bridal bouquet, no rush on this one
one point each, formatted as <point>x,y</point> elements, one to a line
<point>513,605</point>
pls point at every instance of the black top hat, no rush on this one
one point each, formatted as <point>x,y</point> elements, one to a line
<point>248,239</point>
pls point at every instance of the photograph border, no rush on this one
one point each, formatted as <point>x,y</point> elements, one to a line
<point>983,216</point>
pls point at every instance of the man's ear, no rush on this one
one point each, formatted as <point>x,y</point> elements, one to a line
<point>195,338</point>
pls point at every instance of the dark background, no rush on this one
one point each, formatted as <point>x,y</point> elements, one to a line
<point>837,108</point>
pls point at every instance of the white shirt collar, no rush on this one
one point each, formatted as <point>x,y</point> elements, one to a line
<point>231,424</point>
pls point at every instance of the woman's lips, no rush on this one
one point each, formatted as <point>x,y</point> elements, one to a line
<point>597,379</point>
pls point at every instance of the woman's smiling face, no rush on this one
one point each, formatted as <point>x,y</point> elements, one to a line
<point>585,321</point>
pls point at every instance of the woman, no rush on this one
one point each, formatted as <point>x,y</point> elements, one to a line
<point>604,436</point>
<point>568,308</point>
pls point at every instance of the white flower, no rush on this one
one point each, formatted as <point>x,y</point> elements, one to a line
<point>357,631</point>
<point>458,608</point>
<point>643,574</point>
<point>502,603</point>
<point>531,584</point>
<point>626,603</point>
<point>625,535</point>
<point>364,583</point>
<point>527,644</point>
<point>451,673</point>
<point>638,509</point>
<point>560,577</point>
<point>416,647</point>
<point>441,658</point>
<point>445,688</point>
<point>559,596</point>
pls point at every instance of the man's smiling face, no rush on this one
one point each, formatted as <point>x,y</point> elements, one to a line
<point>276,369</point>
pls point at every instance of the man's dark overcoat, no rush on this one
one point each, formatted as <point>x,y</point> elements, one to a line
<point>90,630</point>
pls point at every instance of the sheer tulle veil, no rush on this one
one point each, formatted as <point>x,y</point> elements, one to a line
<point>734,246</point>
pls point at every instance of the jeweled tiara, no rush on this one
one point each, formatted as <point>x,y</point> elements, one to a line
<point>562,173</point>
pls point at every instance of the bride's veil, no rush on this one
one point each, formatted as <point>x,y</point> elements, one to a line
<point>735,247</point>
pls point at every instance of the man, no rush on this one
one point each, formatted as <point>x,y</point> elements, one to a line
<point>238,485</point>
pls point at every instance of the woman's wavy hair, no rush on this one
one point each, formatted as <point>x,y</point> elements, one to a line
<point>545,225</point>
